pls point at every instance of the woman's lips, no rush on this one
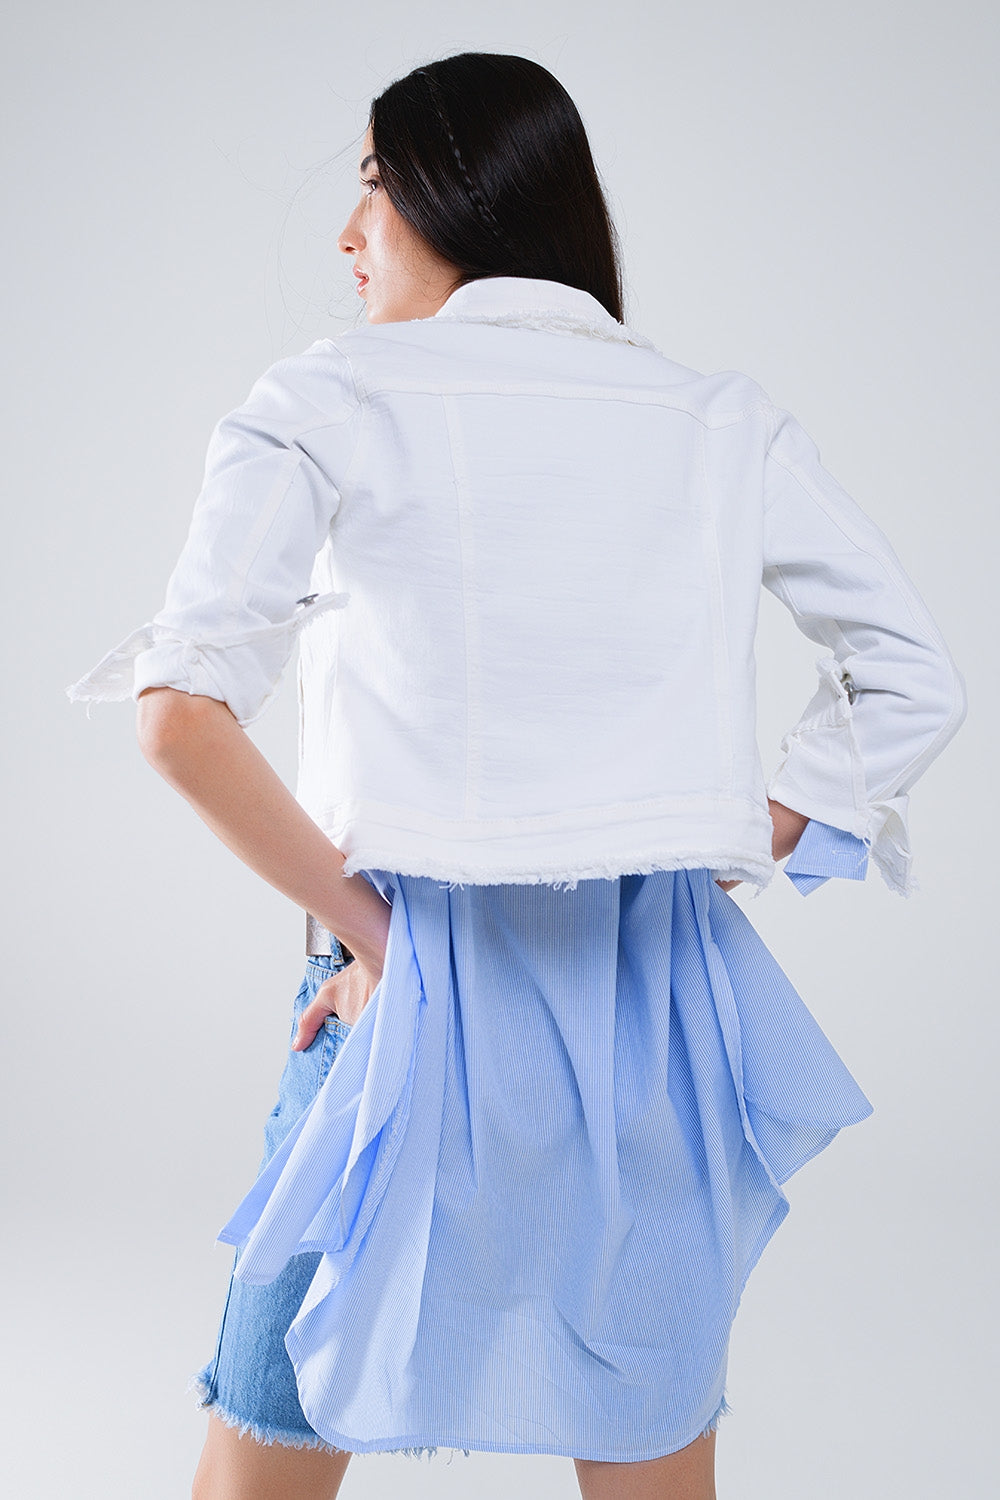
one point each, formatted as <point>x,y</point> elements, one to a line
<point>362,282</point>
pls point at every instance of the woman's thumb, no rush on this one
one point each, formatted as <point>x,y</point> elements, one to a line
<point>310,1023</point>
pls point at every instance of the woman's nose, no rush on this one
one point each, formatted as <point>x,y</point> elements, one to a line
<point>351,239</point>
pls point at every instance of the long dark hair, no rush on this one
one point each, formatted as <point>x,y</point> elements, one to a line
<point>487,157</point>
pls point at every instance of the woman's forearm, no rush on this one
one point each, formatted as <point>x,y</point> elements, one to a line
<point>197,746</point>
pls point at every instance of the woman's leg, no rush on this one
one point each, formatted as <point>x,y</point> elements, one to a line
<point>251,1381</point>
<point>686,1475</point>
<point>240,1468</point>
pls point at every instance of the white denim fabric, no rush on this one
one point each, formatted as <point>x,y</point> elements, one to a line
<point>521,551</point>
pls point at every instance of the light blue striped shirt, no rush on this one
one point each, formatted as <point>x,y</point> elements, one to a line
<point>823,851</point>
<point>541,1168</point>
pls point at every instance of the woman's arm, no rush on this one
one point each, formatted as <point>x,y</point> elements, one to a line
<point>197,746</point>
<point>890,696</point>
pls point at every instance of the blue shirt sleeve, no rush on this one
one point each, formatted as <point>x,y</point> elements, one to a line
<point>823,851</point>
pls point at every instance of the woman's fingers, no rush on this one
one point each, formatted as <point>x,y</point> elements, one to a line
<point>311,1021</point>
<point>344,994</point>
<point>330,1000</point>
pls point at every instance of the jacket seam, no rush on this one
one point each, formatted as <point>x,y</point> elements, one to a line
<point>360,410</point>
<point>467,558</point>
<point>363,411</point>
<point>720,642</point>
<point>237,592</point>
<point>301,458</point>
<point>636,397</point>
<point>671,802</point>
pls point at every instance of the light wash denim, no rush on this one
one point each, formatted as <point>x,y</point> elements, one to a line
<point>249,1382</point>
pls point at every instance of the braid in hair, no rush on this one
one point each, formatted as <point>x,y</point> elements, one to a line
<point>483,209</point>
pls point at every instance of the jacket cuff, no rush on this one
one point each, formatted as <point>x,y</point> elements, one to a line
<point>822,775</point>
<point>241,669</point>
<point>824,851</point>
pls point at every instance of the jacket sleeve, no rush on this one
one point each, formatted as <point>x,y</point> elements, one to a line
<point>890,696</point>
<point>238,595</point>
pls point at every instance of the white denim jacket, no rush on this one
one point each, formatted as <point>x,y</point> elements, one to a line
<point>521,551</point>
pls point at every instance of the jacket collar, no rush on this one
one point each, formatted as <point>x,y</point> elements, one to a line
<point>530,302</point>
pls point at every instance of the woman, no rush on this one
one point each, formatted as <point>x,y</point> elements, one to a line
<point>545,1081</point>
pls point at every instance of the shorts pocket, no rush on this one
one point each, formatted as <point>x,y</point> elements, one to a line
<point>305,1072</point>
<point>335,1032</point>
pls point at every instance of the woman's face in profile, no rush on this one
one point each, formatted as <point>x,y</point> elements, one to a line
<point>404,277</point>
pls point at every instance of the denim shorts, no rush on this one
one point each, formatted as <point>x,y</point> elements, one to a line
<point>250,1382</point>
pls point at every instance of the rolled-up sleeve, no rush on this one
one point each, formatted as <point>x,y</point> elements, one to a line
<point>890,696</point>
<point>822,852</point>
<point>238,596</point>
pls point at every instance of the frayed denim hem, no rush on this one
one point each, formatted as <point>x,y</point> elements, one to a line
<point>269,1435</point>
<point>416,1452</point>
<point>264,1435</point>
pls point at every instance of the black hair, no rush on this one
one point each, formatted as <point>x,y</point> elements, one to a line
<point>486,156</point>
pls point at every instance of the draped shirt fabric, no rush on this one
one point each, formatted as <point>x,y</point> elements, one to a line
<point>541,1168</point>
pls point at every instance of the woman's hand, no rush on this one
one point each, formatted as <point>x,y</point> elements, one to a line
<point>344,994</point>
<point>787,826</point>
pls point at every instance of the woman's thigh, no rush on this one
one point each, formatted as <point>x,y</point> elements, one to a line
<point>239,1468</point>
<point>688,1474</point>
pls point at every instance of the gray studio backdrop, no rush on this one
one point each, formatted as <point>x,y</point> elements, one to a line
<point>804,192</point>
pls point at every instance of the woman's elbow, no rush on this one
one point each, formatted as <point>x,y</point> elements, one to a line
<point>948,692</point>
<point>169,723</point>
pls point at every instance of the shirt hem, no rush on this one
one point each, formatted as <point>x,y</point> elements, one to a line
<point>416,1445</point>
